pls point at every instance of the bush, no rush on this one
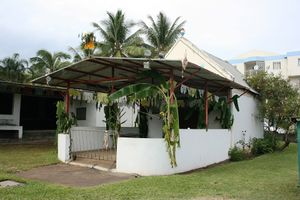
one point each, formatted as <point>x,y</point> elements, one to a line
<point>264,145</point>
<point>237,154</point>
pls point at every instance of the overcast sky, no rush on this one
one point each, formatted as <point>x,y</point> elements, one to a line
<point>225,28</point>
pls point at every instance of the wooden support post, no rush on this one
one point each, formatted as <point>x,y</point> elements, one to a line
<point>68,98</point>
<point>229,100</point>
<point>206,105</point>
<point>112,82</point>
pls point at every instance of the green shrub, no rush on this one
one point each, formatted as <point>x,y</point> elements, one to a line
<point>237,154</point>
<point>264,145</point>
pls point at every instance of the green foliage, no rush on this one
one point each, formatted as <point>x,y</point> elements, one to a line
<point>117,41</point>
<point>113,116</point>
<point>260,146</point>
<point>197,108</point>
<point>226,117</point>
<point>45,61</point>
<point>254,179</point>
<point>64,122</point>
<point>161,33</point>
<point>237,154</point>
<point>169,110</point>
<point>279,100</point>
<point>13,68</point>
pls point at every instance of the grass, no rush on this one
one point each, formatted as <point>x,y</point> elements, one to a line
<point>273,176</point>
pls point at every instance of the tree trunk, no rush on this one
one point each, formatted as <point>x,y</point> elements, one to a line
<point>286,142</point>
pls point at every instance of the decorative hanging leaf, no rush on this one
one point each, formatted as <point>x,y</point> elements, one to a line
<point>235,102</point>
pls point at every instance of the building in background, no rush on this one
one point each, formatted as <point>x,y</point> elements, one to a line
<point>287,65</point>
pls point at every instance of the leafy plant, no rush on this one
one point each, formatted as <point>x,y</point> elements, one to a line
<point>117,40</point>
<point>237,154</point>
<point>13,68</point>
<point>169,110</point>
<point>64,121</point>
<point>279,101</point>
<point>162,34</point>
<point>225,118</point>
<point>113,120</point>
<point>88,39</point>
<point>260,146</point>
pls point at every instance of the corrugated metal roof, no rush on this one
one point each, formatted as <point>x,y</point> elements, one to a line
<point>103,73</point>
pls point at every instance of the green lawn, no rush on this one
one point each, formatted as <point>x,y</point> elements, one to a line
<point>272,176</point>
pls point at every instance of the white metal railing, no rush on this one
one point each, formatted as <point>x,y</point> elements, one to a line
<point>86,138</point>
<point>91,138</point>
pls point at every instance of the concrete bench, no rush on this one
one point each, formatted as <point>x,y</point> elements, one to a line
<point>13,128</point>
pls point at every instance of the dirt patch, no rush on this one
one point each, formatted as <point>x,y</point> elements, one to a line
<point>73,175</point>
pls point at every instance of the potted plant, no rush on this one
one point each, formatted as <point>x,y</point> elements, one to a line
<point>64,123</point>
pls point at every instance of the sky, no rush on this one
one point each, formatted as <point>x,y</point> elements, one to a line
<point>225,28</point>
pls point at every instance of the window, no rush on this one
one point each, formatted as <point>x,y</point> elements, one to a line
<point>81,113</point>
<point>298,61</point>
<point>276,65</point>
<point>6,103</point>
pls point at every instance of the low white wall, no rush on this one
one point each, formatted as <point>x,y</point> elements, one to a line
<point>63,145</point>
<point>148,156</point>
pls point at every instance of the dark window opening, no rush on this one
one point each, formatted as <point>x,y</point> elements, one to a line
<point>6,103</point>
<point>38,113</point>
<point>81,113</point>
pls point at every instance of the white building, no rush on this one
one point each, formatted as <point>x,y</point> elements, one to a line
<point>288,65</point>
<point>148,156</point>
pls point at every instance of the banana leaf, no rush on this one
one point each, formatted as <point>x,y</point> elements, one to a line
<point>235,102</point>
<point>132,89</point>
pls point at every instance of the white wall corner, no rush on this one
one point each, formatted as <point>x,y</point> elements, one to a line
<point>63,145</point>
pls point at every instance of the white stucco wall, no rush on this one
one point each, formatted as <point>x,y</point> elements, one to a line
<point>293,67</point>
<point>282,71</point>
<point>14,118</point>
<point>247,120</point>
<point>91,113</point>
<point>240,67</point>
<point>148,156</point>
<point>155,126</point>
<point>94,117</point>
<point>184,48</point>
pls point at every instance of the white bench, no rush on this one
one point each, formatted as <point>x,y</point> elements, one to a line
<point>14,128</point>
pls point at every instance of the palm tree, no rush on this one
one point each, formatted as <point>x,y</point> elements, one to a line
<point>117,41</point>
<point>80,53</point>
<point>13,68</point>
<point>44,62</point>
<point>161,33</point>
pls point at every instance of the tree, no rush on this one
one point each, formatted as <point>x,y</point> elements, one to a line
<point>80,53</point>
<point>161,33</point>
<point>13,68</point>
<point>279,102</point>
<point>45,61</point>
<point>117,41</point>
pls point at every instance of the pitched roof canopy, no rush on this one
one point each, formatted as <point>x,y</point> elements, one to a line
<point>102,73</point>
